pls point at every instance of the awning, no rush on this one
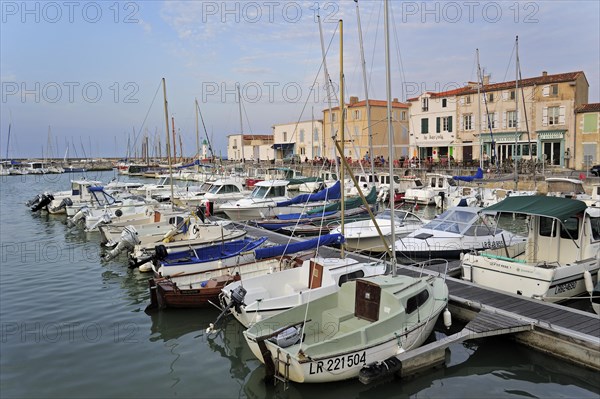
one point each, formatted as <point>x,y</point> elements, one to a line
<point>283,146</point>
<point>440,143</point>
<point>553,207</point>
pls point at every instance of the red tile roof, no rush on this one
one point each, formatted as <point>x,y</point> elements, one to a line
<point>538,80</point>
<point>373,103</point>
<point>594,107</point>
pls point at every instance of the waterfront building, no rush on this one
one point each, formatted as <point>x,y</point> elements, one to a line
<point>298,140</point>
<point>357,132</point>
<point>587,136</point>
<point>252,147</point>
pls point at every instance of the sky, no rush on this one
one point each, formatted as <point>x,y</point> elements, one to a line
<point>84,78</point>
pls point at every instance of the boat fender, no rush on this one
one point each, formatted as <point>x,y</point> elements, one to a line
<point>160,252</point>
<point>447,318</point>
<point>379,370</point>
<point>195,230</point>
<point>589,284</point>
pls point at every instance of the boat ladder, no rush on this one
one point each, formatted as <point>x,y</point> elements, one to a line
<point>285,376</point>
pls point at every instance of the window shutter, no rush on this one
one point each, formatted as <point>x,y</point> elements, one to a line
<point>561,116</point>
<point>505,95</point>
<point>545,116</point>
<point>484,125</point>
<point>503,119</point>
<point>462,122</point>
<point>462,101</point>
<point>546,91</point>
<point>496,119</point>
<point>450,124</point>
<point>437,124</point>
<point>518,119</point>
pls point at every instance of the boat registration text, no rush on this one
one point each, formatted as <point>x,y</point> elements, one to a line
<point>338,363</point>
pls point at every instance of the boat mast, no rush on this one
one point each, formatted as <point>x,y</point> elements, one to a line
<point>241,123</point>
<point>197,136</point>
<point>174,138</point>
<point>328,87</point>
<point>479,111</point>
<point>342,136</point>
<point>516,114</point>
<point>390,129</point>
<point>168,139</point>
<point>364,73</point>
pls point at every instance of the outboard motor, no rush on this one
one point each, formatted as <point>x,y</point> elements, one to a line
<point>81,214</point>
<point>33,201</point>
<point>237,300</point>
<point>129,239</point>
<point>63,204</point>
<point>45,199</point>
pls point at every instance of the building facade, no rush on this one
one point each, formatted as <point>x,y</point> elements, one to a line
<point>587,136</point>
<point>542,127</point>
<point>301,139</point>
<point>356,135</point>
<point>253,147</point>
<point>433,126</point>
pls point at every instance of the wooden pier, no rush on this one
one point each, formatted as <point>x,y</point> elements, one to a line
<point>563,332</point>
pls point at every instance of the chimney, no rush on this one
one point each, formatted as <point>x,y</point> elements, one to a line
<point>353,100</point>
<point>486,79</point>
<point>544,73</point>
<point>395,100</point>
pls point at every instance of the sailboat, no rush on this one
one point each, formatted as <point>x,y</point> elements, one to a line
<point>365,322</point>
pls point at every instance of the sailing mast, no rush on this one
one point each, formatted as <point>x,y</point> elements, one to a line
<point>168,139</point>
<point>390,129</point>
<point>479,111</point>
<point>241,124</point>
<point>328,87</point>
<point>197,137</point>
<point>364,73</point>
<point>342,127</point>
<point>516,114</point>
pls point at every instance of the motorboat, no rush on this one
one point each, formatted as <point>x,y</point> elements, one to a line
<point>335,336</point>
<point>561,251</point>
<point>458,230</point>
<point>363,236</point>
<point>437,183</point>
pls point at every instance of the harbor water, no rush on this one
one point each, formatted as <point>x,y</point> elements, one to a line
<point>73,326</point>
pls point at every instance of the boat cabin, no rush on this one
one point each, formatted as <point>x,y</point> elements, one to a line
<point>464,221</point>
<point>228,186</point>
<point>100,197</point>
<point>440,182</point>
<point>269,189</point>
<point>564,187</point>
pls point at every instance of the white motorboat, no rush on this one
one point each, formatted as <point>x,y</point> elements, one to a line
<point>458,230</point>
<point>263,202</point>
<point>363,236</point>
<point>223,191</point>
<point>336,336</point>
<point>438,183</point>
<point>271,294</point>
<point>562,248</point>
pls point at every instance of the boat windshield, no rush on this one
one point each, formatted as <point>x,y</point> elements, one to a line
<point>214,189</point>
<point>205,187</point>
<point>259,192</point>
<point>399,216</point>
<point>454,221</point>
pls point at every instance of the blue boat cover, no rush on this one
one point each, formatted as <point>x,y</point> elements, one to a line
<point>330,193</point>
<point>195,163</point>
<point>279,250</point>
<point>478,175</point>
<point>214,252</point>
